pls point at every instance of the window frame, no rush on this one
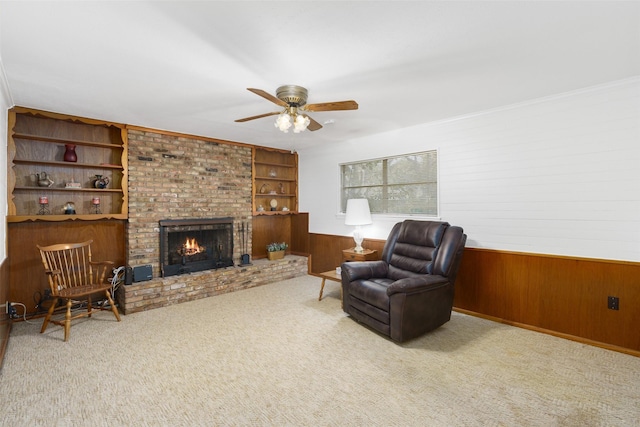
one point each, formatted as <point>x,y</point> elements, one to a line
<point>436,216</point>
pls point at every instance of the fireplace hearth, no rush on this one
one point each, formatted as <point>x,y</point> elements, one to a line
<point>191,245</point>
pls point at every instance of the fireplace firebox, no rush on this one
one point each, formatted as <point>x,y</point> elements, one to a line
<point>190,245</point>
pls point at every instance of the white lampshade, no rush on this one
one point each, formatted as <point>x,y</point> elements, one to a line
<point>358,212</point>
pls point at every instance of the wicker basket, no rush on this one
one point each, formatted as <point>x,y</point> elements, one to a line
<point>275,255</point>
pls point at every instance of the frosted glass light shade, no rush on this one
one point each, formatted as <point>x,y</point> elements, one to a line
<point>283,122</point>
<point>300,124</point>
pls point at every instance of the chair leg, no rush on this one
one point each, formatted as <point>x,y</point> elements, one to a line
<point>67,320</point>
<point>113,306</point>
<point>45,323</point>
<point>89,308</point>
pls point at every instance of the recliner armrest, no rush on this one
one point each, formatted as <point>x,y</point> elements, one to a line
<point>416,284</point>
<point>357,270</point>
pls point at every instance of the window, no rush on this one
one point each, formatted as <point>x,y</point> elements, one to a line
<point>406,185</point>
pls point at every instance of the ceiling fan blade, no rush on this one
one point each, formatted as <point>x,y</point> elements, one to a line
<point>332,106</point>
<point>313,125</point>
<point>268,96</point>
<point>246,119</point>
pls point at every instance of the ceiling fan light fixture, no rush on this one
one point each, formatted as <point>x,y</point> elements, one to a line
<point>283,122</point>
<point>289,118</point>
<point>294,98</point>
<point>300,123</point>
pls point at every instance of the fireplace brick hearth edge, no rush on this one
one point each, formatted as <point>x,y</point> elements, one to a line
<point>162,292</point>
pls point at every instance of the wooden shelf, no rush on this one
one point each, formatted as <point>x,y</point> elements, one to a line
<point>65,141</point>
<point>279,165</point>
<point>81,189</point>
<point>66,164</point>
<point>58,218</point>
<point>270,178</point>
<point>267,213</point>
<point>36,145</point>
<point>274,170</point>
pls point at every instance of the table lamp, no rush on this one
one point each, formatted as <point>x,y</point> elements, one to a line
<point>358,214</point>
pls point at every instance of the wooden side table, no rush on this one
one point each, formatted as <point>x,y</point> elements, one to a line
<point>365,255</point>
<point>333,276</point>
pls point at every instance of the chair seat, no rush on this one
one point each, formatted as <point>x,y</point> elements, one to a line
<point>83,291</point>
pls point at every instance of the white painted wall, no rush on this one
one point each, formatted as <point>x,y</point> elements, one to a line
<point>5,104</point>
<point>559,175</point>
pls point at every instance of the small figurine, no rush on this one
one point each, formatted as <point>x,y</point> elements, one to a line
<point>44,180</point>
<point>69,208</point>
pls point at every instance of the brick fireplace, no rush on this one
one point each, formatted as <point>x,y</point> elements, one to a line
<point>191,245</point>
<point>173,177</point>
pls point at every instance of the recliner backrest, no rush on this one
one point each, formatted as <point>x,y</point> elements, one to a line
<point>412,247</point>
<point>450,253</point>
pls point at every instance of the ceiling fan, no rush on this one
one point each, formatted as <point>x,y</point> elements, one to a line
<point>293,100</point>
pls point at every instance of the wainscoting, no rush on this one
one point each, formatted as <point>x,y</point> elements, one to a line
<point>27,281</point>
<point>559,295</point>
<point>556,294</point>
<point>5,322</point>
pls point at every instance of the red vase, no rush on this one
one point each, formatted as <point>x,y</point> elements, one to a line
<point>70,153</point>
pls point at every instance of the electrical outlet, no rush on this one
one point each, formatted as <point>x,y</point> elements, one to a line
<point>613,303</point>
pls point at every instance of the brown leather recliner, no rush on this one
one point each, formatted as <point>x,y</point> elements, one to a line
<point>409,291</point>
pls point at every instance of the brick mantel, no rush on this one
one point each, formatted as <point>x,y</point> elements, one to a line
<point>175,177</point>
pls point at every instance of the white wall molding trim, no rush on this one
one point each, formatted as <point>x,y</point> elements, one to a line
<point>4,86</point>
<point>534,101</point>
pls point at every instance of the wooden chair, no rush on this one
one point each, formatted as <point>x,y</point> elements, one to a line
<point>73,276</point>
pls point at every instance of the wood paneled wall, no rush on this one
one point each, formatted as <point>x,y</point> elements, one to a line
<point>27,280</point>
<point>5,322</point>
<point>300,234</point>
<point>291,228</point>
<point>554,293</point>
<point>564,296</point>
<point>326,250</point>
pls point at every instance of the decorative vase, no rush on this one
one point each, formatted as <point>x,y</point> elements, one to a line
<point>70,153</point>
<point>101,182</point>
<point>275,255</point>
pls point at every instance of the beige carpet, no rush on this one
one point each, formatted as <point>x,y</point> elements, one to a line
<point>276,356</point>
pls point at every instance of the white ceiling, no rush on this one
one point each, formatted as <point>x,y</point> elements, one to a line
<point>185,66</point>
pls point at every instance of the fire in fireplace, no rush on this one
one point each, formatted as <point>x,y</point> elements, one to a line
<point>190,245</point>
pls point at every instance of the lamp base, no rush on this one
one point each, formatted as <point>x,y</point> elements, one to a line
<point>358,238</point>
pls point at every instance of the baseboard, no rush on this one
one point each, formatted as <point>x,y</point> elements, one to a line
<point>550,332</point>
<point>5,330</point>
